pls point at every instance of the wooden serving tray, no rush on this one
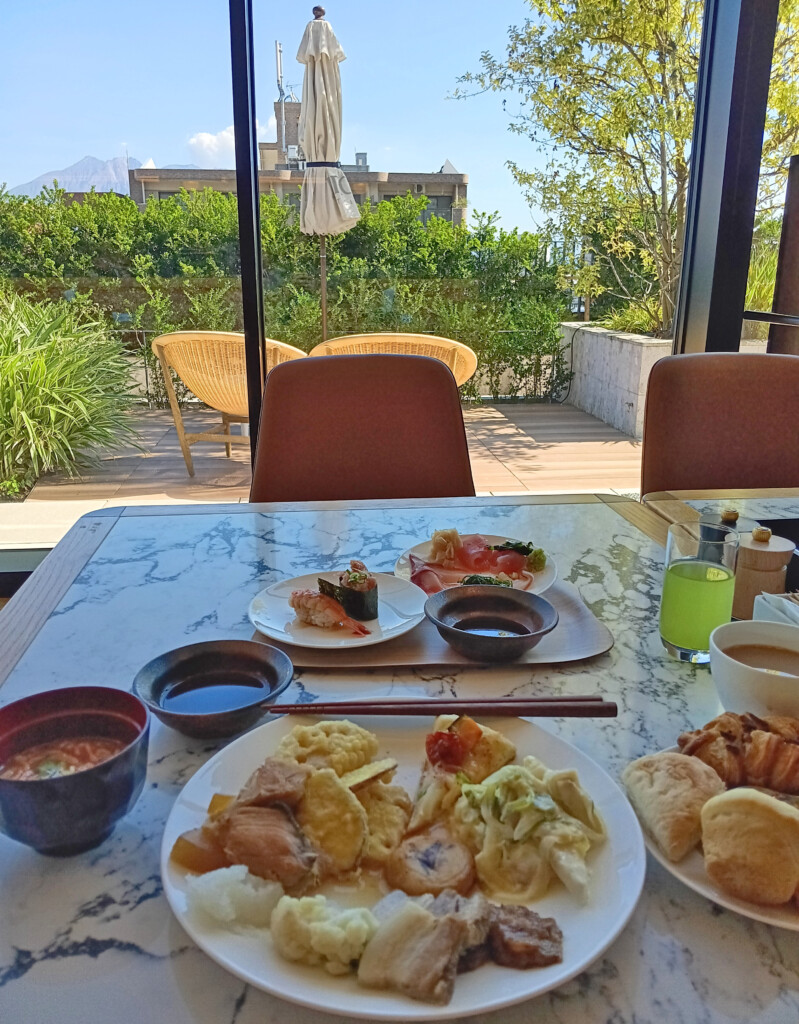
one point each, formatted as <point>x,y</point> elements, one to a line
<point>578,635</point>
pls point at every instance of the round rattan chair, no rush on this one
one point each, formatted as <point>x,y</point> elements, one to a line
<point>212,366</point>
<point>458,357</point>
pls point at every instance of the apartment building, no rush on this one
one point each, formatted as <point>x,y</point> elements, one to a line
<point>282,167</point>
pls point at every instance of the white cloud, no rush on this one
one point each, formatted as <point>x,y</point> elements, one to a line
<point>218,150</point>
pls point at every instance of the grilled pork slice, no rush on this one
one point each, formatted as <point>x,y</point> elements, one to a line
<point>414,953</point>
<point>518,937</point>
<point>475,912</point>
<point>271,844</point>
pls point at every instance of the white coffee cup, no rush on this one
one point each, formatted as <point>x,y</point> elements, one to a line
<point>744,688</point>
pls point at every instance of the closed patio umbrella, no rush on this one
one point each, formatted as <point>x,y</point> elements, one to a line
<point>327,206</point>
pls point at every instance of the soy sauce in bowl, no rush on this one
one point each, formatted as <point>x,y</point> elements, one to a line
<point>202,698</point>
<point>214,689</point>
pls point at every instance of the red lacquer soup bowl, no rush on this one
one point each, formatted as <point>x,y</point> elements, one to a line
<point>72,763</point>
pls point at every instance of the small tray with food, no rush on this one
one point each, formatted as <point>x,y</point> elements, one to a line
<point>338,610</point>
<point>720,812</point>
<point>387,870</point>
<point>450,558</point>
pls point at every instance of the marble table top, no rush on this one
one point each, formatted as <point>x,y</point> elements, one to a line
<point>90,939</point>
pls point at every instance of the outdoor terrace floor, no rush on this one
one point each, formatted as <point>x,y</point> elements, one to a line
<point>514,447</point>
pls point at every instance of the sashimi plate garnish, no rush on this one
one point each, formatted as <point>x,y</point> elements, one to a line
<point>451,559</point>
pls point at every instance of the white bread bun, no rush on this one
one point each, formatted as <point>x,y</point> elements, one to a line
<point>668,791</point>
<point>751,845</point>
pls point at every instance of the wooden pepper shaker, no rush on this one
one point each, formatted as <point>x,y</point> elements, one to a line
<point>762,566</point>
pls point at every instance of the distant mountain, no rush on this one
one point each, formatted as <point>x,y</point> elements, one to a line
<point>180,167</point>
<point>88,173</point>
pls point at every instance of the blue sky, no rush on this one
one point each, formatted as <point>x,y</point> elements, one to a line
<point>84,77</point>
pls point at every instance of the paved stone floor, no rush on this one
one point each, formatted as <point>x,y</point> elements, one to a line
<point>515,447</point>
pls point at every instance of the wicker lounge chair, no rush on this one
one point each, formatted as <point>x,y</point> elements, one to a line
<point>212,366</point>
<point>457,356</point>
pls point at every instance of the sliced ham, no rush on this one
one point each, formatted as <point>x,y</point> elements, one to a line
<point>432,578</point>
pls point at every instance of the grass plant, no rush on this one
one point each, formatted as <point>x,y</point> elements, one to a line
<point>64,389</point>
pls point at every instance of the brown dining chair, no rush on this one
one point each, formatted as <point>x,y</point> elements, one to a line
<point>721,420</point>
<point>365,426</point>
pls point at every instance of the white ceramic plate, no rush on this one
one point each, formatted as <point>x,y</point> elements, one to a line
<point>691,872</point>
<point>541,580</point>
<point>400,607</point>
<point>617,869</point>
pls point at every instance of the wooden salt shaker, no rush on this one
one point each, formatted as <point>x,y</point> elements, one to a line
<point>762,565</point>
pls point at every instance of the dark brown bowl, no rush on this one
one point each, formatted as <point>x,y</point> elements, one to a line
<point>489,623</point>
<point>216,688</point>
<point>68,814</point>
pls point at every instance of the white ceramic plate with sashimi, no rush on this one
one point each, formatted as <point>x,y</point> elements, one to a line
<point>617,869</point>
<point>400,607</point>
<point>536,582</point>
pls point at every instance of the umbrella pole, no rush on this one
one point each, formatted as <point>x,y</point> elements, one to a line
<point>323,273</point>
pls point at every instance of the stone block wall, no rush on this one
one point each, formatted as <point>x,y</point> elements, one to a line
<point>611,371</point>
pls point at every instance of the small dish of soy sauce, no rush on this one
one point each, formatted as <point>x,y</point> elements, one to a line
<point>214,689</point>
<point>490,623</point>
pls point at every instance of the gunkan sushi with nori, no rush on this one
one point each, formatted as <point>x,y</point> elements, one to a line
<point>356,591</point>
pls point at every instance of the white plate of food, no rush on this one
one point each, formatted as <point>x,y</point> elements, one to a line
<point>617,868</point>
<point>400,607</point>
<point>690,870</point>
<point>454,559</point>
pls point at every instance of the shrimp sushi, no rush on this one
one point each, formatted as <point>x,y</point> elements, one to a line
<point>317,609</point>
<point>356,591</point>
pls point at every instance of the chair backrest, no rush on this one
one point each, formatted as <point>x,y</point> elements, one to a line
<point>715,420</point>
<point>368,426</point>
<point>212,365</point>
<point>457,356</point>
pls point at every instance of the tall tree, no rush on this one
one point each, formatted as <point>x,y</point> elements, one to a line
<point>606,89</point>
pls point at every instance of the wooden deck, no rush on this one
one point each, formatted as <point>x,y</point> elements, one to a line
<point>514,447</point>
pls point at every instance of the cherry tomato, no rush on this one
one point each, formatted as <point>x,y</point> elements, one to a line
<point>445,749</point>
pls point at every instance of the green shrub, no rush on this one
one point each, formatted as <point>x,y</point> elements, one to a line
<point>64,387</point>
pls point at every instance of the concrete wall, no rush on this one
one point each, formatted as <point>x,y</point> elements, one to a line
<point>611,370</point>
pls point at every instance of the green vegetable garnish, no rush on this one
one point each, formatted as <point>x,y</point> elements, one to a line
<point>491,581</point>
<point>536,557</point>
<point>53,769</point>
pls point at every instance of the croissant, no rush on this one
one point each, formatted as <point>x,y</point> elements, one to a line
<point>747,750</point>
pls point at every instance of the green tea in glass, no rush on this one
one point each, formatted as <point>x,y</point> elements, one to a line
<point>698,587</point>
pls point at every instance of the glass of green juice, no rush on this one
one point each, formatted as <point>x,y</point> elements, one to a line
<point>698,587</point>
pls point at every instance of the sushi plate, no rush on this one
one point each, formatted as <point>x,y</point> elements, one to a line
<point>400,607</point>
<point>617,875</point>
<point>541,580</point>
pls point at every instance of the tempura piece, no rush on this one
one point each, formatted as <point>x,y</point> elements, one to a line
<point>387,811</point>
<point>342,746</point>
<point>334,820</point>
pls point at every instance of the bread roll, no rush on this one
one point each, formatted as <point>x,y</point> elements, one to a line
<point>668,791</point>
<point>751,844</point>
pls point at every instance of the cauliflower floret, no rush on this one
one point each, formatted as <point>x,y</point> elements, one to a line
<point>311,931</point>
<point>342,746</point>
